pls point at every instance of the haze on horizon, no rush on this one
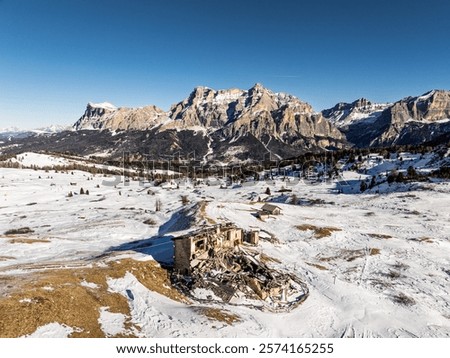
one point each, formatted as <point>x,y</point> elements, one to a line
<point>57,55</point>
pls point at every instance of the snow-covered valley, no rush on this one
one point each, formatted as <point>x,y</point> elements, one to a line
<point>376,264</point>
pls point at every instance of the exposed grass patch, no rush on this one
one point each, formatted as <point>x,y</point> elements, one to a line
<point>218,315</point>
<point>393,275</point>
<point>319,232</point>
<point>380,236</point>
<point>150,222</point>
<point>265,258</point>
<point>423,239</point>
<point>350,255</point>
<point>320,267</point>
<point>202,210</point>
<point>23,240</point>
<point>403,300</point>
<point>6,258</point>
<point>20,231</point>
<point>77,306</point>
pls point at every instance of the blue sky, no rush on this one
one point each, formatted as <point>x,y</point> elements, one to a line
<point>55,56</point>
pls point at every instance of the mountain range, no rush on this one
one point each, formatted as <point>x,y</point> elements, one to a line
<point>255,124</point>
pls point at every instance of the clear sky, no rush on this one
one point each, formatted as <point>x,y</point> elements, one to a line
<point>57,55</point>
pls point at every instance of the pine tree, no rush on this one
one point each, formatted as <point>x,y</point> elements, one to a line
<point>268,191</point>
<point>81,191</point>
<point>400,178</point>
<point>363,186</point>
<point>412,172</point>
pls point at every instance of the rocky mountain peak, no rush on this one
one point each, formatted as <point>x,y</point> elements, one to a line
<point>107,116</point>
<point>362,102</point>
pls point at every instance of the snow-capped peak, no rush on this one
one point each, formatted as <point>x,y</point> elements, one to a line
<point>104,105</point>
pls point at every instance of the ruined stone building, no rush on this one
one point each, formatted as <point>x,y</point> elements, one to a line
<point>192,248</point>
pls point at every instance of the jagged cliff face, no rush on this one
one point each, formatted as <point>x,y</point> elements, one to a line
<point>258,112</point>
<point>418,117</point>
<point>412,120</point>
<point>107,116</point>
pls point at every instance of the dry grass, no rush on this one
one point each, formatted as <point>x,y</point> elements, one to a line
<point>21,231</point>
<point>423,239</point>
<point>265,258</point>
<point>217,314</point>
<point>351,255</point>
<point>150,222</point>
<point>6,258</point>
<point>202,210</point>
<point>27,241</point>
<point>380,236</point>
<point>68,302</point>
<point>320,267</point>
<point>402,299</point>
<point>319,232</point>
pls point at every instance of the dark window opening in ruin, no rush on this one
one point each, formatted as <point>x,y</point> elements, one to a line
<point>200,245</point>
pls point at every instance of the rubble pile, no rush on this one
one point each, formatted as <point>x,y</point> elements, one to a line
<point>238,276</point>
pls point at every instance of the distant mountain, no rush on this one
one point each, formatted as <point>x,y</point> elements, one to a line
<point>279,122</point>
<point>235,125</point>
<point>412,120</point>
<point>344,115</point>
<point>107,116</point>
<point>14,132</point>
<point>234,122</point>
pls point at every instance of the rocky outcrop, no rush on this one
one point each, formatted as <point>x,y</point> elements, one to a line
<point>107,116</point>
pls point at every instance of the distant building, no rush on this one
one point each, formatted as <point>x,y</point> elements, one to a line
<point>271,209</point>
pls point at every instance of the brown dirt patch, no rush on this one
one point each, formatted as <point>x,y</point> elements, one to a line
<point>319,232</point>
<point>58,296</point>
<point>217,314</point>
<point>374,251</point>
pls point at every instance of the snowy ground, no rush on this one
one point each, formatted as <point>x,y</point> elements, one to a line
<point>381,270</point>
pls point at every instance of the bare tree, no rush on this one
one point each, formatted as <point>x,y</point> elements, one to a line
<point>158,205</point>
